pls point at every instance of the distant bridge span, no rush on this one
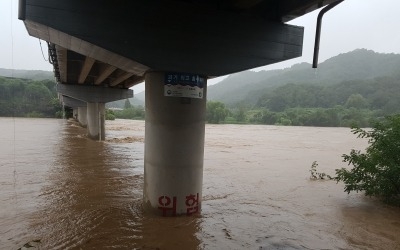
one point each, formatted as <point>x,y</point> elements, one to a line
<point>101,48</point>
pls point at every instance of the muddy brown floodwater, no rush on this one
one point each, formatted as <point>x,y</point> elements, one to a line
<point>60,190</point>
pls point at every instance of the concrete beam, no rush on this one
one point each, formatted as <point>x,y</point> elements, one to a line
<point>168,35</point>
<point>62,54</point>
<point>94,94</point>
<point>105,73</point>
<point>120,78</point>
<point>71,102</point>
<point>87,66</point>
<point>293,9</point>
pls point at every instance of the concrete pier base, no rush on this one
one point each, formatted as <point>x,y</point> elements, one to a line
<point>82,116</point>
<point>75,113</point>
<point>174,150</point>
<point>96,120</point>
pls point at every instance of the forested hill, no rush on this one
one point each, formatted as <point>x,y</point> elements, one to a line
<point>360,64</point>
<point>35,75</point>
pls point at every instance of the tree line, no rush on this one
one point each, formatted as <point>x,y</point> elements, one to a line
<point>357,102</point>
<point>28,98</point>
<point>129,111</point>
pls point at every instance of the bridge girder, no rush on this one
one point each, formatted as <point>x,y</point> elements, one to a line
<point>113,44</point>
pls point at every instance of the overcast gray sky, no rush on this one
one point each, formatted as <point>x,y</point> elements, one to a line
<point>370,24</point>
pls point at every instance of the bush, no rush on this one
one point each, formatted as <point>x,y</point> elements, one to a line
<point>377,171</point>
<point>34,114</point>
<point>216,112</point>
<point>59,114</point>
<point>109,115</point>
<point>134,112</point>
<point>315,175</point>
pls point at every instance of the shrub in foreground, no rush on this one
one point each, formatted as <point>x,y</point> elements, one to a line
<point>377,171</point>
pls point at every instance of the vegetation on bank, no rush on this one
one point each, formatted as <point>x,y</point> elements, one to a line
<point>129,112</point>
<point>344,104</point>
<point>375,170</point>
<point>28,98</point>
<point>38,99</point>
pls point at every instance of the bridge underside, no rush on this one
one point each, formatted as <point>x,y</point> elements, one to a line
<point>114,44</point>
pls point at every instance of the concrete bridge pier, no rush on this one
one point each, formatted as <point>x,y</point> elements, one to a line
<point>174,147</point>
<point>75,113</point>
<point>77,107</point>
<point>92,113</point>
<point>82,116</point>
<point>96,120</point>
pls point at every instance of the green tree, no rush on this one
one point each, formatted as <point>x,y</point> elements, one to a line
<point>134,112</point>
<point>240,114</point>
<point>356,101</point>
<point>37,93</point>
<point>140,112</point>
<point>53,107</point>
<point>269,117</point>
<point>355,117</point>
<point>377,171</point>
<point>216,112</point>
<point>109,115</point>
<point>23,97</point>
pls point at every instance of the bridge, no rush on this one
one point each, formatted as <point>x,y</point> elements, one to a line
<point>101,48</point>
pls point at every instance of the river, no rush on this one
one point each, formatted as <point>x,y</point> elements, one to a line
<point>60,190</point>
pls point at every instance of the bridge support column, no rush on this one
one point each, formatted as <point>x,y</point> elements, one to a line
<point>75,113</point>
<point>94,98</point>
<point>95,120</point>
<point>82,116</point>
<point>174,150</point>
